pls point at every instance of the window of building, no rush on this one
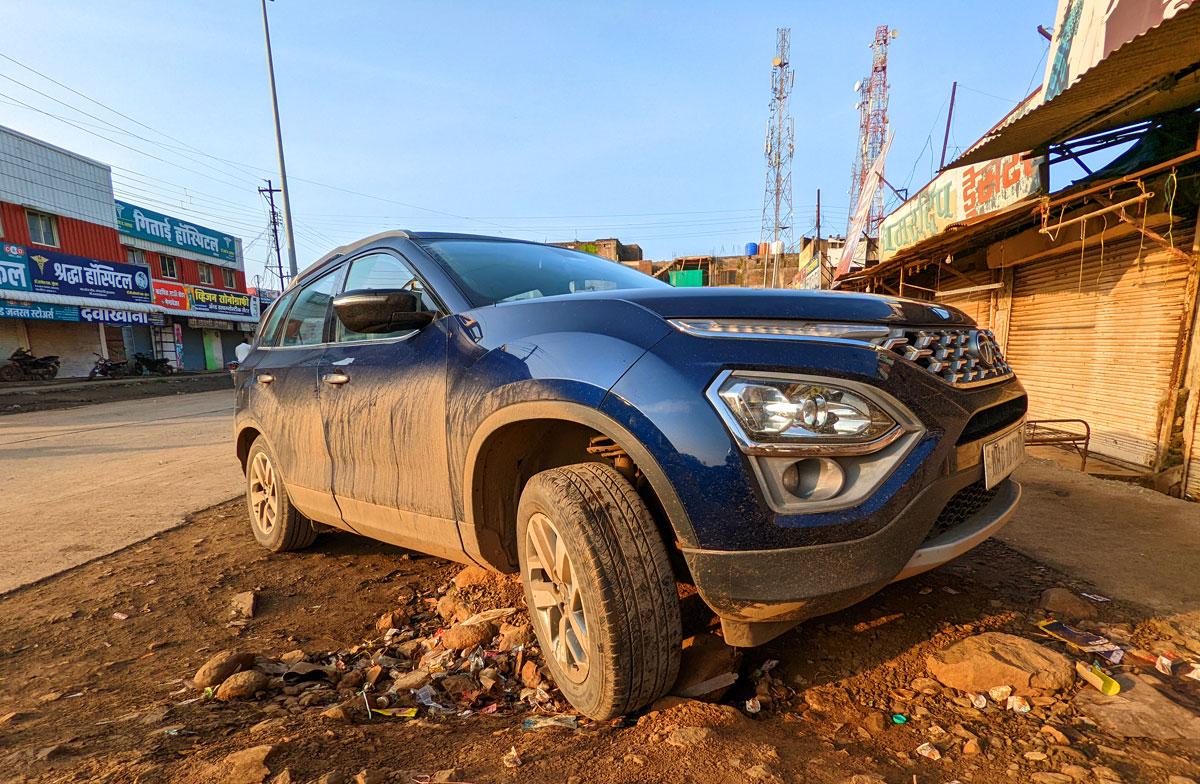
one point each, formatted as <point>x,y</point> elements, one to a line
<point>206,275</point>
<point>43,228</point>
<point>228,278</point>
<point>168,267</point>
<point>135,256</point>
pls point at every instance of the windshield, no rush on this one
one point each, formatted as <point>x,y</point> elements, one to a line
<point>491,271</point>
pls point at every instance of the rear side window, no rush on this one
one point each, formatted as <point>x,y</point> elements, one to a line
<point>305,322</point>
<point>266,333</point>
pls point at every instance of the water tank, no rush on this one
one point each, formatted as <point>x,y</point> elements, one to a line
<point>777,247</point>
<point>751,248</point>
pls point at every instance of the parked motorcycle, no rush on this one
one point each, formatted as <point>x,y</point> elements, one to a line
<point>143,365</point>
<point>108,368</point>
<point>24,366</point>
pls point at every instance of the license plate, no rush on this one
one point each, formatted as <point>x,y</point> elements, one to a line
<point>1002,456</point>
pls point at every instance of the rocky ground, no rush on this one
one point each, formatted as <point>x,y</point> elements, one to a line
<point>22,397</point>
<point>197,657</point>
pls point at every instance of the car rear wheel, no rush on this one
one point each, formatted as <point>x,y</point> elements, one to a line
<point>275,522</point>
<point>599,587</point>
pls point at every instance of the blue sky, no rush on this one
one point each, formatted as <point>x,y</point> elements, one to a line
<point>545,120</point>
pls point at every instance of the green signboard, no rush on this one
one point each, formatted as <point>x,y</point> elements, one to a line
<point>155,227</point>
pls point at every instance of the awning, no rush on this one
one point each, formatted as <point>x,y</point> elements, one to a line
<point>206,314</point>
<point>80,302</point>
<point>1156,72</point>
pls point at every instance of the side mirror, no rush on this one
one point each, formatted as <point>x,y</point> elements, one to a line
<point>379,311</point>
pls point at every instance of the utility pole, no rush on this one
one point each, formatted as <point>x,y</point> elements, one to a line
<point>820,253</point>
<point>946,135</point>
<point>268,193</point>
<point>779,147</point>
<point>287,205</point>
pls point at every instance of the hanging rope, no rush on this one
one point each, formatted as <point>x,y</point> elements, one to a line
<point>1171,186</point>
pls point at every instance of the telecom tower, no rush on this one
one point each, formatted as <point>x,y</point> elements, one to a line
<point>873,121</point>
<point>777,195</point>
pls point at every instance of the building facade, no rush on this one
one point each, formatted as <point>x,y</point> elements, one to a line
<point>76,281</point>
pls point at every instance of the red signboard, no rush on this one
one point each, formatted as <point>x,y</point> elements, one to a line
<point>173,296</point>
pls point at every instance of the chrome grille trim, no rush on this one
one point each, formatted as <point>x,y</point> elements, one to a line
<point>959,356</point>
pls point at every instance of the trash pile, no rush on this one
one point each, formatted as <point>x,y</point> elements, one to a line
<point>432,655</point>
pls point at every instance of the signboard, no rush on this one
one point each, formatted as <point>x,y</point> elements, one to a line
<point>37,311</point>
<point>14,272</point>
<point>207,323</point>
<point>223,303</point>
<point>173,296</point>
<point>52,272</point>
<point>120,317</point>
<point>153,226</point>
<point>1087,31</point>
<point>956,195</point>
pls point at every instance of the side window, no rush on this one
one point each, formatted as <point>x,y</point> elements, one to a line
<point>266,335</point>
<point>381,271</point>
<point>305,322</point>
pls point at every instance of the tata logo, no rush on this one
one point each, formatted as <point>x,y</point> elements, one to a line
<point>982,348</point>
<point>942,313</point>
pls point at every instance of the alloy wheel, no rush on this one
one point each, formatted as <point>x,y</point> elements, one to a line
<point>557,601</point>
<point>264,493</point>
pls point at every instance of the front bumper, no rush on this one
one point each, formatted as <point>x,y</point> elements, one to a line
<point>759,594</point>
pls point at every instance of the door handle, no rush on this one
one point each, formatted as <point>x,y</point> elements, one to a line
<point>335,379</point>
<point>264,378</point>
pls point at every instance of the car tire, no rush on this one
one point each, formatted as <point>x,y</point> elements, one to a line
<point>274,521</point>
<point>606,612</point>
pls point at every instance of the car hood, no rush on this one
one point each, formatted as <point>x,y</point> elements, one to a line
<point>782,304</point>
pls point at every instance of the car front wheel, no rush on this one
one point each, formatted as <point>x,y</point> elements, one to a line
<point>599,587</point>
<point>275,522</point>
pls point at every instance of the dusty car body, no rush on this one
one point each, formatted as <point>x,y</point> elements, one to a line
<point>788,452</point>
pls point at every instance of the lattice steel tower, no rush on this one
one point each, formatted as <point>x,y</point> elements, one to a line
<point>873,121</point>
<point>780,144</point>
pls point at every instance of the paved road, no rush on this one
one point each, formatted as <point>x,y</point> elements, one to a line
<point>81,482</point>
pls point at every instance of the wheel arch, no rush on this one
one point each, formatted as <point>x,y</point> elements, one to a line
<point>507,449</point>
<point>245,437</point>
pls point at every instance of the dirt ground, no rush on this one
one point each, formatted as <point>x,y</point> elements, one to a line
<point>73,392</point>
<point>88,696</point>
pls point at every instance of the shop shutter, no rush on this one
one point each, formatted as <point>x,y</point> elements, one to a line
<point>10,338</point>
<point>976,304</point>
<point>1192,487</point>
<point>1093,337</point>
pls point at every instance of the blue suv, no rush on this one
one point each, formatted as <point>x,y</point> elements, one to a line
<point>533,409</point>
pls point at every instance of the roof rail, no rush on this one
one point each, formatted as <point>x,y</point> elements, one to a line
<point>349,247</point>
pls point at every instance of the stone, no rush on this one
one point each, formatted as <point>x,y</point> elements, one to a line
<point>283,777</point>
<point>367,776</point>
<point>214,671</point>
<point>464,636</point>
<point>530,676</point>
<point>515,636</point>
<point>403,681</point>
<point>1139,711</point>
<point>242,685</point>
<point>13,717</point>
<point>1049,777</point>
<point>316,697</point>
<point>1105,773</point>
<point>243,604</point>
<point>248,766</point>
<point>448,607</point>
<point>1055,735</point>
<point>865,778</point>
<point>53,752</point>
<point>1180,780</point>
<point>875,723</point>
<point>925,685</point>
<point>1076,773</point>
<point>449,774</point>
<point>391,620</point>
<point>473,576</point>
<point>340,713</point>
<point>352,679</point>
<point>686,737</point>
<point>1066,603</point>
<point>992,659</point>
<point>972,747</point>
<point>459,686</point>
<point>292,657</point>
<point>707,668</point>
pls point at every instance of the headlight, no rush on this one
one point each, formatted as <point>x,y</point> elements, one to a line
<point>775,414</point>
<point>776,328</point>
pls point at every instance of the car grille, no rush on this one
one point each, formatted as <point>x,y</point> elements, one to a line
<point>957,356</point>
<point>961,507</point>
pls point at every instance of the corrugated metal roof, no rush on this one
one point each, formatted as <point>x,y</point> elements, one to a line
<point>1125,87</point>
